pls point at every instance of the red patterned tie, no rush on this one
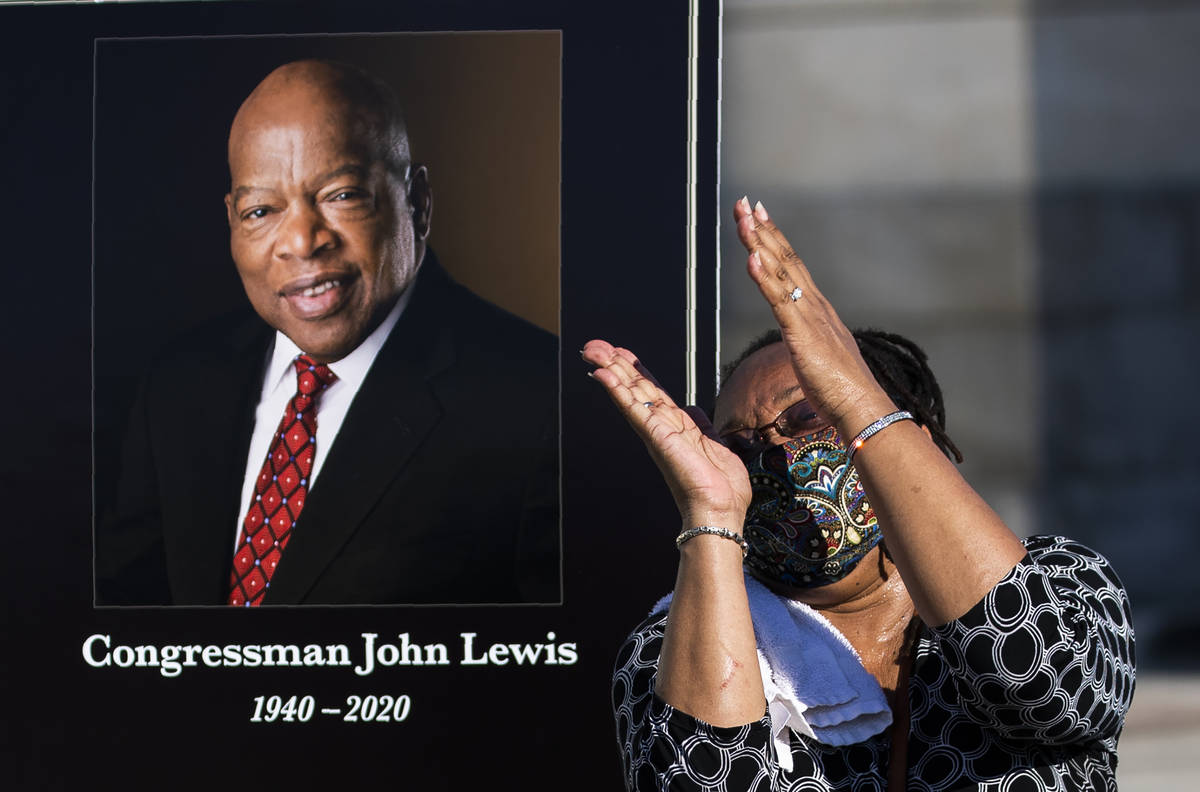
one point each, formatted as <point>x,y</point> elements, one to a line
<point>280,489</point>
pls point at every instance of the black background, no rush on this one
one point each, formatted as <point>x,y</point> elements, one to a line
<point>623,240</point>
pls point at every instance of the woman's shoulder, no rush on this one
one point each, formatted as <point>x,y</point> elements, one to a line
<point>1072,563</point>
<point>1049,548</point>
<point>1057,575</point>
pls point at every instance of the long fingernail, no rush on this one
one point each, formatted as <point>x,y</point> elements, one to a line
<point>744,202</point>
<point>591,375</point>
<point>760,212</point>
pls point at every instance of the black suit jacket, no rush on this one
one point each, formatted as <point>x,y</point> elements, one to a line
<point>442,484</point>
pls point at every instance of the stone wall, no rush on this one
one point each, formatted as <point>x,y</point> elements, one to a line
<point>1016,186</point>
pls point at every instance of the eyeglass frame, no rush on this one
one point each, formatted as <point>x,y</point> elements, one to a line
<point>782,424</point>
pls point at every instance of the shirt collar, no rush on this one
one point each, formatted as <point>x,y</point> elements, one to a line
<point>352,369</point>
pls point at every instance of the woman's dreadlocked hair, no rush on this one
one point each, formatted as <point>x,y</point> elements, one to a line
<point>900,367</point>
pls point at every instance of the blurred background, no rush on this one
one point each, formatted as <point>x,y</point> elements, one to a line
<point>1015,186</point>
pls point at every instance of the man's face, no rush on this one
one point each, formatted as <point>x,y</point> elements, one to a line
<point>321,232</point>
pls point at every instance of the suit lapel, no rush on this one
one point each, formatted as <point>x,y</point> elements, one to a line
<point>199,533</point>
<point>393,412</point>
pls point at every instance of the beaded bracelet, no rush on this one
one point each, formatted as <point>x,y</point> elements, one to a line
<point>692,533</point>
<point>873,429</point>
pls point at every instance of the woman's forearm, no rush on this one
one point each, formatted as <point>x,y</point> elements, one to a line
<point>709,663</point>
<point>948,544</point>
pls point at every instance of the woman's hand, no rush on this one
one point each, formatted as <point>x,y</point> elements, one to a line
<point>832,373</point>
<point>707,667</point>
<point>708,482</point>
<point>949,546</point>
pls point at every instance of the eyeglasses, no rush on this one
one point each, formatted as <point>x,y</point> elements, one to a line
<point>795,421</point>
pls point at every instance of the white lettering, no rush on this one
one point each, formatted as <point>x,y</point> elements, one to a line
<point>389,655</point>
<point>469,651</point>
<point>337,654</point>
<point>369,654</point>
<point>568,653</point>
<point>524,653</point>
<point>411,651</point>
<point>281,655</point>
<point>170,661</point>
<point>89,658</point>
<point>437,654</point>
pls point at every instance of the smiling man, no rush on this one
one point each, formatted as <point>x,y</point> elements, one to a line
<point>327,215</point>
<point>386,437</point>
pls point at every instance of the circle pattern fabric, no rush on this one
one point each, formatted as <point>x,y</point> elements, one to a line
<point>1027,691</point>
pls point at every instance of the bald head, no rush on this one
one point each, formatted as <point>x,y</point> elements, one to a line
<point>344,98</point>
<point>327,216</point>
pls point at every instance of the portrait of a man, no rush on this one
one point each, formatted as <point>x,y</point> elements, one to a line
<point>372,432</point>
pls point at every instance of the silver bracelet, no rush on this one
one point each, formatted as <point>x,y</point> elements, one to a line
<point>875,428</point>
<point>692,533</point>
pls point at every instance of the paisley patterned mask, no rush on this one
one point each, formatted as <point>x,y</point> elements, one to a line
<point>809,523</point>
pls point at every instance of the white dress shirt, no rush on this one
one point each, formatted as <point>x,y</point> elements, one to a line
<point>279,386</point>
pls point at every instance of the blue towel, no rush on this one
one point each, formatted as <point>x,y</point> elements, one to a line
<point>814,680</point>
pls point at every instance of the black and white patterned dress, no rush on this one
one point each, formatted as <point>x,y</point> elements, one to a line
<point>1027,691</point>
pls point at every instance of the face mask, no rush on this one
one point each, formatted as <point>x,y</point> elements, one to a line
<point>809,523</point>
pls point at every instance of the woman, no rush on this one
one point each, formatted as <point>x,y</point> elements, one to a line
<point>900,635</point>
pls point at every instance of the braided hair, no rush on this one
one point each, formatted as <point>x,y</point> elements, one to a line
<point>900,367</point>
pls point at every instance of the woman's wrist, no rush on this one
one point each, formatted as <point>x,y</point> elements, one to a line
<point>730,519</point>
<point>864,412</point>
<point>688,534</point>
<point>713,534</point>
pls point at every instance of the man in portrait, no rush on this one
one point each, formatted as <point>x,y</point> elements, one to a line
<point>374,432</point>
